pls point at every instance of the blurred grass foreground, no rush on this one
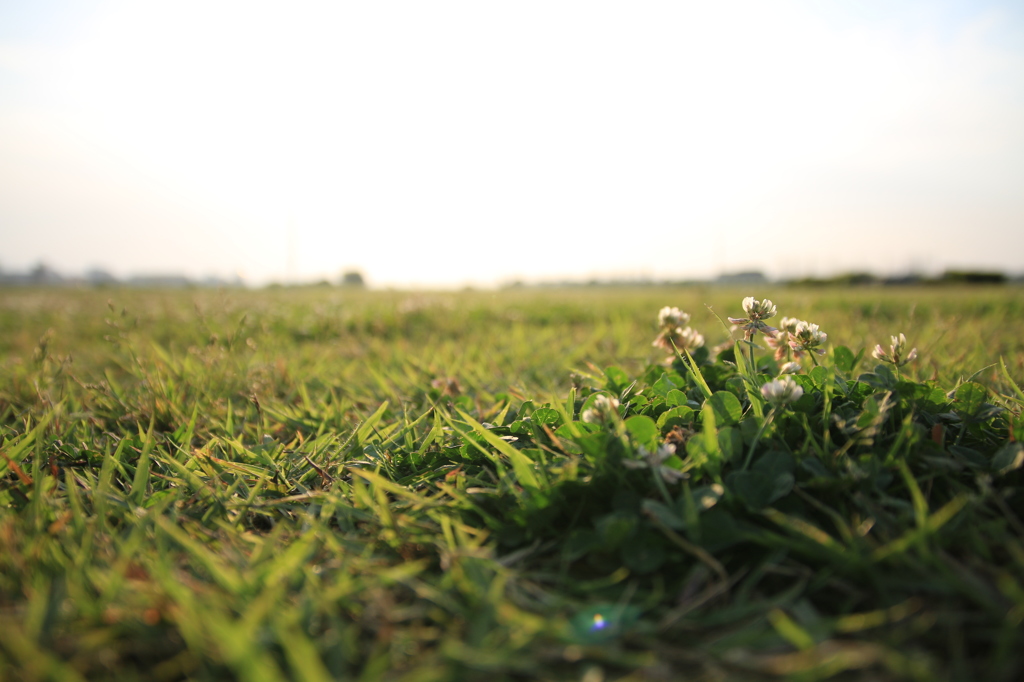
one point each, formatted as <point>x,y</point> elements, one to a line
<point>322,484</point>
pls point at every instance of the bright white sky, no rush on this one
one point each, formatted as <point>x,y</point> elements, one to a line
<point>443,143</point>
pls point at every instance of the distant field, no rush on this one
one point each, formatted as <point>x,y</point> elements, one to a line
<point>320,483</point>
<point>526,339</point>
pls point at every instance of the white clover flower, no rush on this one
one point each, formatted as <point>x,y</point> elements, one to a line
<point>691,339</point>
<point>781,391</point>
<point>671,317</point>
<point>879,353</point>
<point>780,343</point>
<point>807,337</point>
<point>656,461</point>
<point>790,368</point>
<point>789,324</point>
<point>895,354</point>
<point>757,312</point>
<point>684,339</point>
<point>603,407</point>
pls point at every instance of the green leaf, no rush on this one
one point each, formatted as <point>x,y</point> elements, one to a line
<point>663,386</point>
<point>637,402</point>
<point>219,568</point>
<point>677,416</point>
<point>931,524</point>
<point>614,528</point>
<point>844,358</point>
<point>707,496</point>
<point>520,426</point>
<point>569,433</point>
<point>728,410</point>
<point>970,456</point>
<point>692,503</point>
<point>545,415</point>
<point>141,479</point>
<point>594,445</point>
<point>730,442</point>
<point>775,462</point>
<point>617,379</point>
<point>736,385</point>
<point>1008,458</point>
<point>644,431</point>
<point>758,489</point>
<point>675,398</point>
<point>709,433</point>
<point>521,464</point>
<point>300,651</point>
<point>694,372</point>
<point>882,378</point>
<point>821,376</point>
<point>790,631</point>
<point>931,398</point>
<point>366,428</point>
<point>184,438</point>
<point>1011,382</point>
<point>969,398</point>
<point>663,513</point>
<point>769,479</point>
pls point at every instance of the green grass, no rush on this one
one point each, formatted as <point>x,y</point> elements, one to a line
<point>321,484</point>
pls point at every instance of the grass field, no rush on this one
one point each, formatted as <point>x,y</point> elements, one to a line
<point>320,484</point>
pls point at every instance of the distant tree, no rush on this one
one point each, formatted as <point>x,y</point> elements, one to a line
<point>858,278</point>
<point>44,274</point>
<point>98,277</point>
<point>972,277</point>
<point>747,277</point>
<point>352,278</point>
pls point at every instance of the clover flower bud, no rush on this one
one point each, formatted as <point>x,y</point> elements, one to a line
<point>600,410</point>
<point>757,312</point>
<point>894,356</point>
<point>671,317</point>
<point>781,391</point>
<point>790,368</point>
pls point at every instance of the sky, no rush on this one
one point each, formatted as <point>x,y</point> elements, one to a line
<point>444,144</point>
